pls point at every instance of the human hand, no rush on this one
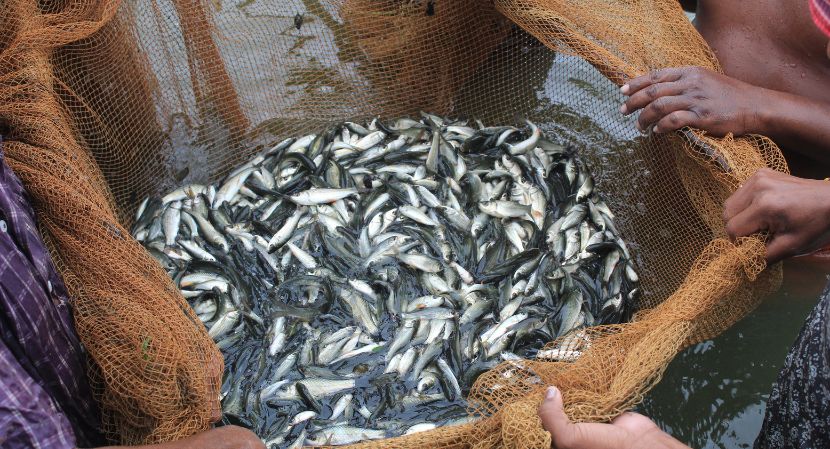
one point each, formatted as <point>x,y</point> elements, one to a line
<point>628,431</point>
<point>795,211</point>
<point>693,96</point>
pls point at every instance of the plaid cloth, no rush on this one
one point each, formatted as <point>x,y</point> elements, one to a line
<point>45,398</point>
<point>821,14</point>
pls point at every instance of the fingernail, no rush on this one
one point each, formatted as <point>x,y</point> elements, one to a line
<point>624,89</point>
<point>552,392</point>
<point>655,130</point>
<point>623,109</point>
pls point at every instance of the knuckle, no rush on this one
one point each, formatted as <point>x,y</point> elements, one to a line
<point>763,199</point>
<point>770,203</point>
<point>763,180</point>
<point>654,75</point>
<point>694,75</point>
<point>675,120</point>
<point>651,92</point>
<point>659,106</point>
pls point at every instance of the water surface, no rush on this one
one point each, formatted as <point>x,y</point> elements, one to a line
<point>714,394</point>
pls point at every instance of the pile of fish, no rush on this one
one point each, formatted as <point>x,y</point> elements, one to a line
<point>359,280</point>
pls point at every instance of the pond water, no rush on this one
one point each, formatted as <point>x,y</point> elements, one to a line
<point>714,394</point>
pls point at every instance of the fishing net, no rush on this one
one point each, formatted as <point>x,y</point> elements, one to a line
<point>105,102</point>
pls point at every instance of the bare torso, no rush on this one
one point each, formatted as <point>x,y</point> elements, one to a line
<point>772,44</point>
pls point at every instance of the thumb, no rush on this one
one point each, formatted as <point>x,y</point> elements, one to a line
<point>555,421</point>
<point>565,434</point>
<point>552,412</point>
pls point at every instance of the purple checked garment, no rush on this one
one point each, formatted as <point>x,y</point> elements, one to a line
<point>45,398</point>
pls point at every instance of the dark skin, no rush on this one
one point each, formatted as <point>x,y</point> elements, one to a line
<point>794,212</point>
<point>776,72</point>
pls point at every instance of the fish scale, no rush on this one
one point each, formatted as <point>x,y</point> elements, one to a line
<point>381,267</point>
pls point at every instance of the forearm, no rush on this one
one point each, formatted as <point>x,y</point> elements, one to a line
<point>797,123</point>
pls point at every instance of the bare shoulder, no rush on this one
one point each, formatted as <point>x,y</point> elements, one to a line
<point>757,44</point>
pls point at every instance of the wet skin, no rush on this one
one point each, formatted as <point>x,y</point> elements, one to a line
<point>780,62</point>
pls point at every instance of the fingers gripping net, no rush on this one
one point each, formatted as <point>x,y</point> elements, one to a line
<point>110,101</point>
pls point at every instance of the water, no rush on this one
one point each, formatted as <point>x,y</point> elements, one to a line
<point>714,394</point>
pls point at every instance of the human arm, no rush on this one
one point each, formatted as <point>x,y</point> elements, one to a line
<point>628,431</point>
<point>795,212</point>
<point>672,98</point>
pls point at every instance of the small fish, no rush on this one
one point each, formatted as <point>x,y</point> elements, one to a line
<point>171,219</point>
<point>416,215</point>
<point>354,277</point>
<point>305,258</point>
<point>279,337</point>
<point>422,427</point>
<point>224,324</point>
<point>504,209</point>
<point>420,262</point>
<point>527,144</point>
<point>342,434</point>
<point>318,388</point>
<point>285,232</point>
<point>316,196</point>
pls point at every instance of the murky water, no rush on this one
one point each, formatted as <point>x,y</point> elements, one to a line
<point>714,394</point>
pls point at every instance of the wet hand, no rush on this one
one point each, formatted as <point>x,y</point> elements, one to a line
<point>795,211</point>
<point>693,96</point>
<point>628,431</point>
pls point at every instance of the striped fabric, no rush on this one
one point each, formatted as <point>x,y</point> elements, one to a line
<point>821,14</point>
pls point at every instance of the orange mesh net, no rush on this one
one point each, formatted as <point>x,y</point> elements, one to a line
<point>106,102</point>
